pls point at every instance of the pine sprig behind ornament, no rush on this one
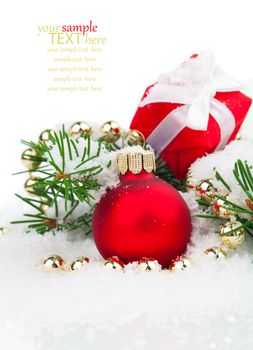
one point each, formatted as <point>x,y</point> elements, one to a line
<point>69,171</point>
<point>163,171</point>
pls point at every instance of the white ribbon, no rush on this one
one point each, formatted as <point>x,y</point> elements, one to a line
<point>198,101</point>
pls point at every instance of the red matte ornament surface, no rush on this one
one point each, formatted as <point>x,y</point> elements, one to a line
<point>142,217</point>
<point>190,144</point>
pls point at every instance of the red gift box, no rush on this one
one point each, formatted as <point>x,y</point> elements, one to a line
<point>194,110</point>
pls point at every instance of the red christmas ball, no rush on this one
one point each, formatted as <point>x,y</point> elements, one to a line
<point>142,217</point>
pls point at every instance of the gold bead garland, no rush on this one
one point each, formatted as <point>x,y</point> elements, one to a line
<point>111,131</point>
<point>30,159</point>
<point>180,263</point>
<point>3,230</point>
<point>79,129</point>
<point>29,186</point>
<point>133,138</point>
<point>45,135</point>
<point>216,253</point>
<point>205,190</point>
<point>54,263</point>
<point>79,263</point>
<point>232,234</point>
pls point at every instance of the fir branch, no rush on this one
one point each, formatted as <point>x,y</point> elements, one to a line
<point>243,174</point>
<point>221,179</point>
<point>203,203</point>
<point>207,216</point>
<point>53,184</point>
<point>243,178</point>
<point>74,146</point>
<point>248,231</point>
<point>30,201</point>
<point>231,204</point>
<point>163,171</point>
<point>75,187</point>
<point>247,223</point>
<point>71,210</point>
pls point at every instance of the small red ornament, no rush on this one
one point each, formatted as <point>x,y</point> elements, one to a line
<point>143,216</point>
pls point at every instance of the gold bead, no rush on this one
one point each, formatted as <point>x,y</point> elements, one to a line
<point>216,253</point>
<point>234,239</point>
<point>114,263</point>
<point>79,263</point>
<point>205,190</point>
<point>29,186</point>
<point>148,264</point>
<point>189,183</point>
<point>54,263</point>
<point>238,136</point>
<point>3,230</point>
<point>44,204</point>
<point>134,138</point>
<point>44,207</point>
<point>79,129</point>
<point>45,135</point>
<point>30,159</point>
<point>180,263</point>
<point>220,211</point>
<point>111,131</point>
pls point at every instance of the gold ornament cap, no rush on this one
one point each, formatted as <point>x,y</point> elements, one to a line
<point>136,162</point>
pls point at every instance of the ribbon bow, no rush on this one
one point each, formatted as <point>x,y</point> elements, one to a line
<point>193,84</point>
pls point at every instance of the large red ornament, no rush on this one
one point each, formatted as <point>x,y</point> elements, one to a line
<point>168,96</point>
<point>142,217</point>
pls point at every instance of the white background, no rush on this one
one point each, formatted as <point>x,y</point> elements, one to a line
<point>145,38</point>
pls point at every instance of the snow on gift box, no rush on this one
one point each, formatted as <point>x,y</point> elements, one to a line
<point>193,110</point>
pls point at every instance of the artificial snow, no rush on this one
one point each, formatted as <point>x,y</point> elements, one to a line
<point>208,306</point>
<point>99,156</point>
<point>223,162</point>
<point>200,72</point>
